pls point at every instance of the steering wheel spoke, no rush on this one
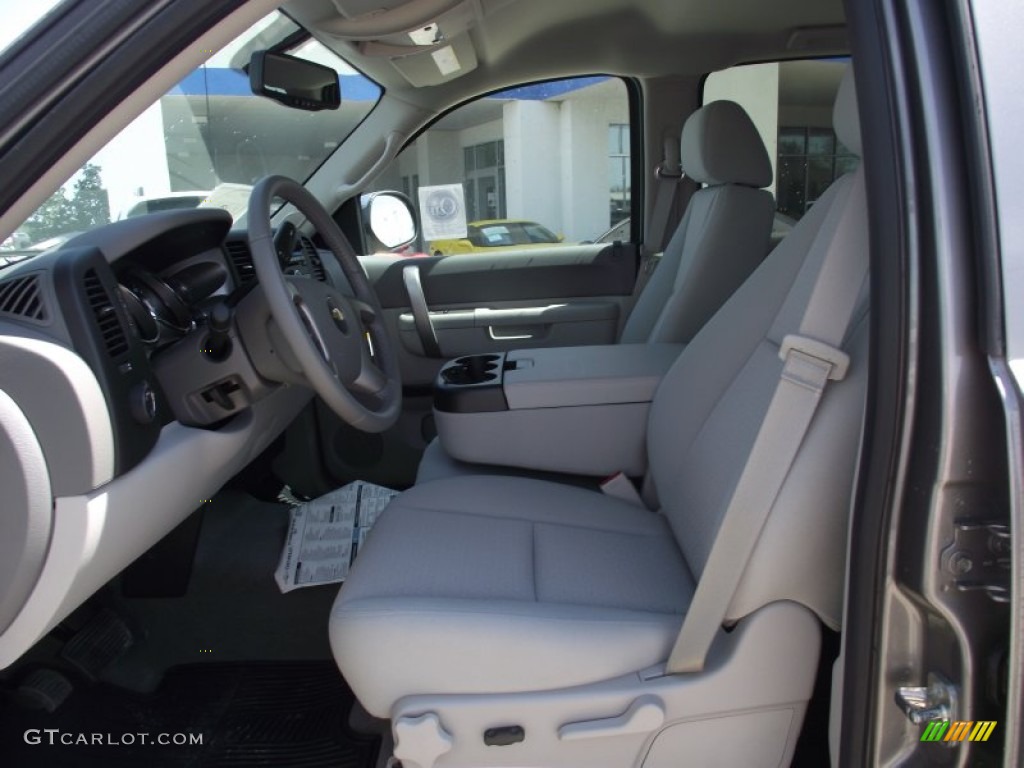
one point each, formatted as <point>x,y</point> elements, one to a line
<point>371,379</point>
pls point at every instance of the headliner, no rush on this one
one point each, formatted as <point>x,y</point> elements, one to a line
<point>517,41</point>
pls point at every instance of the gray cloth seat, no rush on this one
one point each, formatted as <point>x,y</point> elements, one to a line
<point>723,234</point>
<point>569,585</point>
<point>499,584</point>
<point>721,239</point>
<point>437,464</point>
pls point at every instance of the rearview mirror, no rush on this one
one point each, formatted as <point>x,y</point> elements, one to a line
<point>296,83</point>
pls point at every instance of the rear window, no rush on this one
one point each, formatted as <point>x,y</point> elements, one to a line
<point>790,102</point>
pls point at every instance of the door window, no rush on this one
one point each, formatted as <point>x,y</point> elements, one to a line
<point>534,166</point>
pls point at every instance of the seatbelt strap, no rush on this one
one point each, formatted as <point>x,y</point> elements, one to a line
<point>668,174</point>
<point>812,359</point>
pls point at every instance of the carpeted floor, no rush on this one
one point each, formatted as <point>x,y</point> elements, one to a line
<point>292,714</point>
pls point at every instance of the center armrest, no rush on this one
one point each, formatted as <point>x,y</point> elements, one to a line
<point>576,376</point>
<point>581,410</point>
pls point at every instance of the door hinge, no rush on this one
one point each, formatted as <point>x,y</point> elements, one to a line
<point>978,560</point>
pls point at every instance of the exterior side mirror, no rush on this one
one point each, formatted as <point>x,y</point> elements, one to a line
<point>389,219</point>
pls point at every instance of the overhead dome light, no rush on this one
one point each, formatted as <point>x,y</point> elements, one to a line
<point>428,35</point>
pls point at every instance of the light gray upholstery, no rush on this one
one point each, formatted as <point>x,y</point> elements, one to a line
<point>504,584</point>
<point>845,118</point>
<point>723,235</point>
<point>558,585</point>
<point>709,408</point>
<point>720,145</point>
<point>722,238</point>
<point>437,464</point>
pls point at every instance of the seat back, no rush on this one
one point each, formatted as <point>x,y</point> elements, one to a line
<point>710,406</point>
<point>723,235</point>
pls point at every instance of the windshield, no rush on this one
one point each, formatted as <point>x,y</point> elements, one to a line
<point>204,143</point>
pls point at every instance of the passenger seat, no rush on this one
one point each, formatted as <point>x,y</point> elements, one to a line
<point>722,238</point>
<point>723,235</point>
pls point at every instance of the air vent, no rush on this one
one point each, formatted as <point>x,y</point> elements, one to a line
<point>23,298</point>
<point>114,340</point>
<point>241,259</point>
<point>316,266</point>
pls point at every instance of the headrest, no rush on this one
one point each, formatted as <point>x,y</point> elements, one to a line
<point>720,145</point>
<point>845,119</point>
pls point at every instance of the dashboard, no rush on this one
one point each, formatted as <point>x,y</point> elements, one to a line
<point>131,389</point>
<point>154,305</point>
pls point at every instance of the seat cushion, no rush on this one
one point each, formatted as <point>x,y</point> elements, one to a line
<point>503,584</point>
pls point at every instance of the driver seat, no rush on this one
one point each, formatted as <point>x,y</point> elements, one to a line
<point>513,621</point>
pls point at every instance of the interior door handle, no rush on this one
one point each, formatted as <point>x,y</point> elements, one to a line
<point>420,310</point>
<point>510,333</point>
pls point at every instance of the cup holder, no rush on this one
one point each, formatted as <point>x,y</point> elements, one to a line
<point>472,384</point>
<point>473,369</point>
<point>462,376</point>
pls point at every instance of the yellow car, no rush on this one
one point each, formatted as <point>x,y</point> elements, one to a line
<point>496,234</point>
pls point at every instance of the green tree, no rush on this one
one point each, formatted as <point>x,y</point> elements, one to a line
<point>90,204</point>
<point>87,207</point>
<point>50,219</point>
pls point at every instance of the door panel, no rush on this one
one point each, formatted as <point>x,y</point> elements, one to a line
<point>598,269</point>
<point>558,296</point>
<point>465,330</point>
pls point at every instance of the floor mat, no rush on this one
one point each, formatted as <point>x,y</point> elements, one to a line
<point>246,714</point>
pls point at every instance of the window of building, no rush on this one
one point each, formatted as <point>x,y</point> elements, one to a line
<point>485,180</point>
<point>809,160</point>
<point>533,166</point>
<point>619,172</point>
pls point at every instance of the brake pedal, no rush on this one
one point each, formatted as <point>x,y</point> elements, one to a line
<point>103,639</point>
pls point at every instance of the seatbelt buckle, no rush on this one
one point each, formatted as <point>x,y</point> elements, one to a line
<point>621,487</point>
<point>671,166</point>
<point>831,362</point>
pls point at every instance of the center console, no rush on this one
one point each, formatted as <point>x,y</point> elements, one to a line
<point>578,410</point>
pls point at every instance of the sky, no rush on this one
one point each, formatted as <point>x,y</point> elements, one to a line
<point>17,15</point>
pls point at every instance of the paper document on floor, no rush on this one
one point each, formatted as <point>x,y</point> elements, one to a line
<point>325,535</point>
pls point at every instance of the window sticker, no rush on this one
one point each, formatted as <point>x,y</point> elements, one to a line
<point>443,212</point>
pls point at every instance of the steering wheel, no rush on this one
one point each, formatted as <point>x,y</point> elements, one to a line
<point>325,329</point>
